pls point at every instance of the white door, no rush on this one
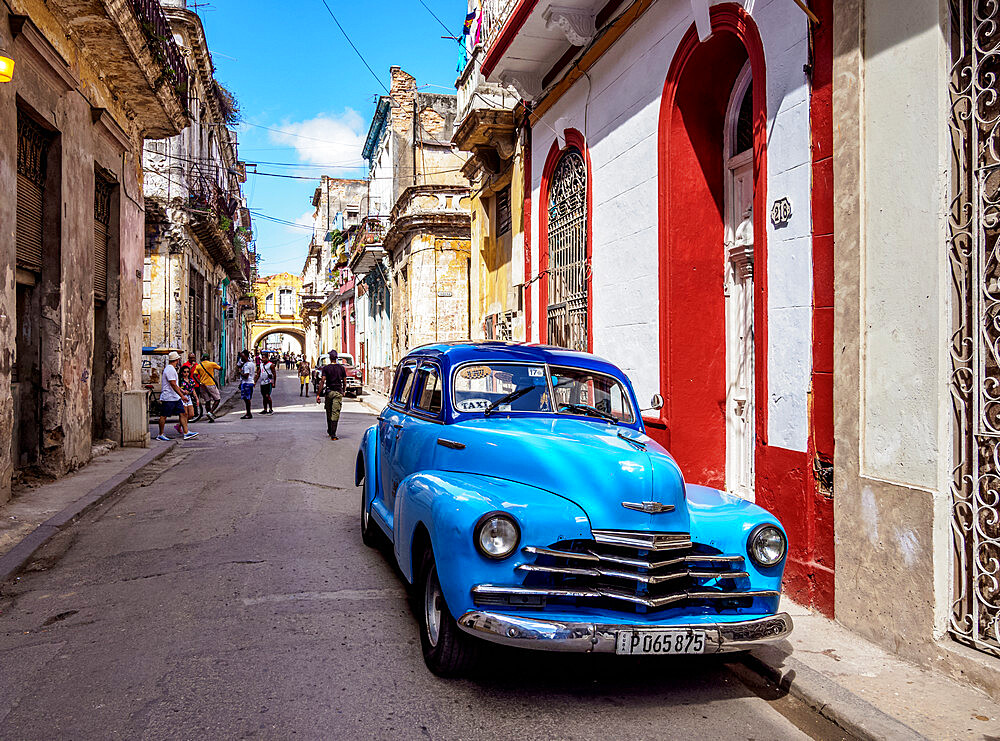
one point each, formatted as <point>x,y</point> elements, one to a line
<point>740,426</point>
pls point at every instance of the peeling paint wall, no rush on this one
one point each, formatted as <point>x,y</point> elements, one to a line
<point>61,86</point>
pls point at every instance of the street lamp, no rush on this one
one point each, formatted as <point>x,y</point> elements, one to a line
<point>6,67</point>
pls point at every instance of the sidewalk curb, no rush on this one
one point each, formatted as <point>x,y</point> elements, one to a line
<point>15,559</point>
<point>835,703</point>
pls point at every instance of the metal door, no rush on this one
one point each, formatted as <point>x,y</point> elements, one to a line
<point>974,253</point>
<point>567,246</point>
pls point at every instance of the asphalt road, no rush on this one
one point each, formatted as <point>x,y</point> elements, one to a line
<point>227,594</point>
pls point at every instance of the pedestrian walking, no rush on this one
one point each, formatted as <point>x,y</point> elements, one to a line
<point>172,398</point>
<point>304,373</point>
<point>208,388</point>
<point>248,379</point>
<point>315,379</point>
<point>331,386</point>
<point>268,375</point>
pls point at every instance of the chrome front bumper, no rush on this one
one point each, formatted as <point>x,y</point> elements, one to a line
<point>550,635</point>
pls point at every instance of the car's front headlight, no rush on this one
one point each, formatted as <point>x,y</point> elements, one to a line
<point>767,545</point>
<point>496,535</point>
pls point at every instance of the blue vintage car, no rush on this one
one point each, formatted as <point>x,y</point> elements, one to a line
<point>526,506</point>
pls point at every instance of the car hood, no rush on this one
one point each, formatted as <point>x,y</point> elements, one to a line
<point>585,461</point>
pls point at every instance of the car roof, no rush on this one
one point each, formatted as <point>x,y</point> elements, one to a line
<point>454,353</point>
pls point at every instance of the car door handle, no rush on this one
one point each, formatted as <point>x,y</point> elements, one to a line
<point>398,427</point>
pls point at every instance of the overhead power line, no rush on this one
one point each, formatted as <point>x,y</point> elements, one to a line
<point>442,23</point>
<point>360,55</point>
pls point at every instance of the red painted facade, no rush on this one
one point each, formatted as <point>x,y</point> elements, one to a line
<point>692,312</point>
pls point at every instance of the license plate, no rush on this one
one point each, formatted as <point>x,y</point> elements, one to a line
<point>660,642</point>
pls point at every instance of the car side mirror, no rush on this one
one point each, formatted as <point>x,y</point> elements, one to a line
<point>656,402</point>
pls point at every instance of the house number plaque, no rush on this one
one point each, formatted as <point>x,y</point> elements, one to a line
<point>781,213</point>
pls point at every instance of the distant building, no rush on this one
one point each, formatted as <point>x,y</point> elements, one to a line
<point>198,228</point>
<point>278,310</point>
<point>328,293</point>
<point>415,243</point>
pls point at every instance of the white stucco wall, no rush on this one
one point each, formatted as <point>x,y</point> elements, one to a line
<point>617,107</point>
<point>905,228</point>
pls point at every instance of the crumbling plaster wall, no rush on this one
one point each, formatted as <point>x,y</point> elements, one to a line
<point>892,426</point>
<point>64,100</point>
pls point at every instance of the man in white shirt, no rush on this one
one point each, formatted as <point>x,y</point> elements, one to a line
<point>173,398</point>
<point>268,375</point>
<point>249,373</point>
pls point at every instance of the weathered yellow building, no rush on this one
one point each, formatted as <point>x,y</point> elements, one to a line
<point>487,127</point>
<point>279,309</point>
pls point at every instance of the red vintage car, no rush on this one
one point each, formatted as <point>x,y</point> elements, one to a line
<point>353,383</point>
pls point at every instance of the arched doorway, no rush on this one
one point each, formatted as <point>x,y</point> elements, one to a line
<point>712,307</point>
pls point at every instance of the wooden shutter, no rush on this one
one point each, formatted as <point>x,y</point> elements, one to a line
<point>32,141</point>
<point>102,220</point>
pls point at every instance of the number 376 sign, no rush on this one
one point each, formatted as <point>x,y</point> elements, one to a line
<point>781,212</point>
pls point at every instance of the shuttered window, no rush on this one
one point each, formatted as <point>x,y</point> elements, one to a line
<point>102,221</point>
<point>32,142</point>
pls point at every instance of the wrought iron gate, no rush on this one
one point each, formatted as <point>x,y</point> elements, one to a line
<point>567,309</point>
<point>974,252</point>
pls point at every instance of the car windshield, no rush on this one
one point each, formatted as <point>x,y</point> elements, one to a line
<point>479,385</point>
<point>584,392</point>
<point>345,360</point>
<point>516,387</point>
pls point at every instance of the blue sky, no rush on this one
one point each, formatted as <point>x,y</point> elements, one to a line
<point>291,69</point>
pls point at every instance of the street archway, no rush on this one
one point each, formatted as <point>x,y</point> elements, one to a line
<point>259,334</point>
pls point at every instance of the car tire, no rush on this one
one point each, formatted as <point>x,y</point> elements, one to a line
<point>371,536</point>
<point>448,652</point>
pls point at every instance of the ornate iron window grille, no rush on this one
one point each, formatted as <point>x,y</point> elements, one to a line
<point>567,245</point>
<point>974,254</point>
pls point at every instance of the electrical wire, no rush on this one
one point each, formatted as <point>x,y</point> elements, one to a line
<point>457,38</point>
<point>360,56</point>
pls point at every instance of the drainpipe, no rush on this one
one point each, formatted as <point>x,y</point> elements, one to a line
<point>223,356</point>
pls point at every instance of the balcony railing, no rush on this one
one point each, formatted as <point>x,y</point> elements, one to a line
<point>162,45</point>
<point>495,15</point>
<point>371,231</point>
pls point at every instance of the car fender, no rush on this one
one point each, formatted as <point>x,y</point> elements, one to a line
<point>449,505</point>
<point>724,521</point>
<point>366,465</point>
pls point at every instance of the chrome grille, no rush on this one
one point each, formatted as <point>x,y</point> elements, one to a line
<point>626,570</point>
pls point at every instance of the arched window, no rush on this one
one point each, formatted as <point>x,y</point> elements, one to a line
<point>743,135</point>
<point>269,304</point>
<point>567,248</point>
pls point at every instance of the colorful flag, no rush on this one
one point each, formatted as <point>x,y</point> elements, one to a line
<point>467,27</point>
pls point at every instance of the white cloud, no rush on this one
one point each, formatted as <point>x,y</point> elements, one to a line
<point>305,219</point>
<point>327,139</point>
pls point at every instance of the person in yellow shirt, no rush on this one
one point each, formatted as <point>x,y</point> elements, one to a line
<point>209,390</point>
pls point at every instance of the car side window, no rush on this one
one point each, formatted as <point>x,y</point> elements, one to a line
<point>404,383</point>
<point>428,390</point>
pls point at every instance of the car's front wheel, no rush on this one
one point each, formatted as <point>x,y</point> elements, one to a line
<point>448,652</point>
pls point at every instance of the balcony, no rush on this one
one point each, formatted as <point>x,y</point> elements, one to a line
<point>366,248</point>
<point>132,42</point>
<point>212,213</point>
<point>486,125</point>
<point>443,210</point>
<point>526,39</point>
